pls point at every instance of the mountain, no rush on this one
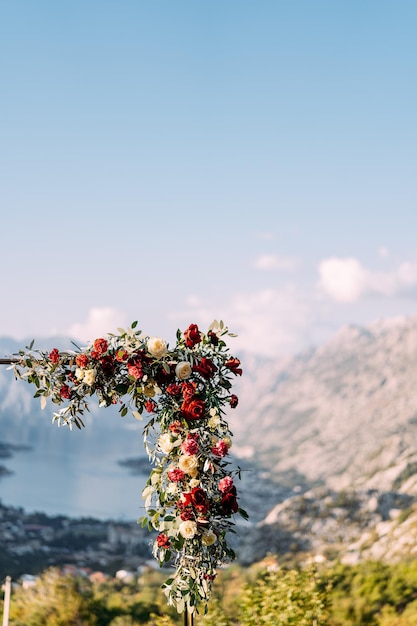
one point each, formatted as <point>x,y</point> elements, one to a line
<point>327,441</point>
<point>338,426</point>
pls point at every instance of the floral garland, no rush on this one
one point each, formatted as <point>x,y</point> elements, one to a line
<point>190,496</point>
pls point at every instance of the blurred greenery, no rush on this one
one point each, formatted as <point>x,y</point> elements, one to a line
<point>370,593</point>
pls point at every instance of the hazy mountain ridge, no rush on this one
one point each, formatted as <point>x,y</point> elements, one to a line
<point>340,415</point>
<point>338,424</point>
<point>329,437</point>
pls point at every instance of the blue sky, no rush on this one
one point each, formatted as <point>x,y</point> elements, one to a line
<point>178,161</point>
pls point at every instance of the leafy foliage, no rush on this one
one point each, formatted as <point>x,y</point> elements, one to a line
<point>190,496</point>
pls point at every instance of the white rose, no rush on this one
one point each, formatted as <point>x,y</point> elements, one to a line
<point>157,347</point>
<point>194,482</point>
<point>79,373</point>
<point>89,377</point>
<point>183,370</point>
<point>188,463</point>
<point>172,488</point>
<point>165,443</point>
<point>208,538</point>
<point>188,529</point>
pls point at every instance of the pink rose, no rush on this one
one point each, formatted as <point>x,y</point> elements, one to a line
<point>221,449</point>
<point>225,484</point>
<point>176,475</point>
<point>189,446</point>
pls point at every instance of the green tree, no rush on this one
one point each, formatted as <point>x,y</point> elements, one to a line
<point>284,598</point>
<point>54,600</point>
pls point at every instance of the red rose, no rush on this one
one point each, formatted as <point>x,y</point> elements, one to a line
<point>233,365</point>
<point>192,336</point>
<point>54,356</point>
<point>234,401</point>
<point>150,406</point>
<point>121,355</point>
<point>100,346</point>
<point>162,540</point>
<point>199,500</point>
<point>188,390</point>
<point>81,360</point>
<point>187,514</point>
<point>186,500</point>
<point>176,427</point>
<point>65,392</point>
<point>213,338</point>
<point>107,364</point>
<point>174,389</point>
<point>193,409</point>
<point>229,503</point>
<point>205,368</point>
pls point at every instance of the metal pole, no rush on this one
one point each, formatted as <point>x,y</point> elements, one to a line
<point>7,589</point>
<point>8,361</point>
<point>188,619</point>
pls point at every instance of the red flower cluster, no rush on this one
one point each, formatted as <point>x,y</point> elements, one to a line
<point>206,368</point>
<point>220,449</point>
<point>99,348</point>
<point>54,356</point>
<point>233,365</point>
<point>189,446</point>
<point>234,400</point>
<point>82,360</point>
<point>196,498</point>
<point>229,503</point>
<point>176,475</point>
<point>162,540</point>
<point>192,336</point>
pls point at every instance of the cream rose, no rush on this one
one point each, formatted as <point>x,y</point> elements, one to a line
<point>172,488</point>
<point>208,538</point>
<point>157,347</point>
<point>213,422</point>
<point>165,443</point>
<point>79,373</point>
<point>183,370</point>
<point>188,529</point>
<point>89,377</point>
<point>188,463</point>
<point>194,482</point>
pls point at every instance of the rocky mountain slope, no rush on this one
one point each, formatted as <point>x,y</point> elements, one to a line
<point>328,439</point>
<point>338,426</point>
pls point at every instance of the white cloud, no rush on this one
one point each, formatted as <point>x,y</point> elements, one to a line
<point>100,321</point>
<point>271,322</point>
<point>276,262</point>
<point>347,280</point>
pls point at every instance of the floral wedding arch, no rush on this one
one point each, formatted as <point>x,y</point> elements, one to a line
<point>190,496</point>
